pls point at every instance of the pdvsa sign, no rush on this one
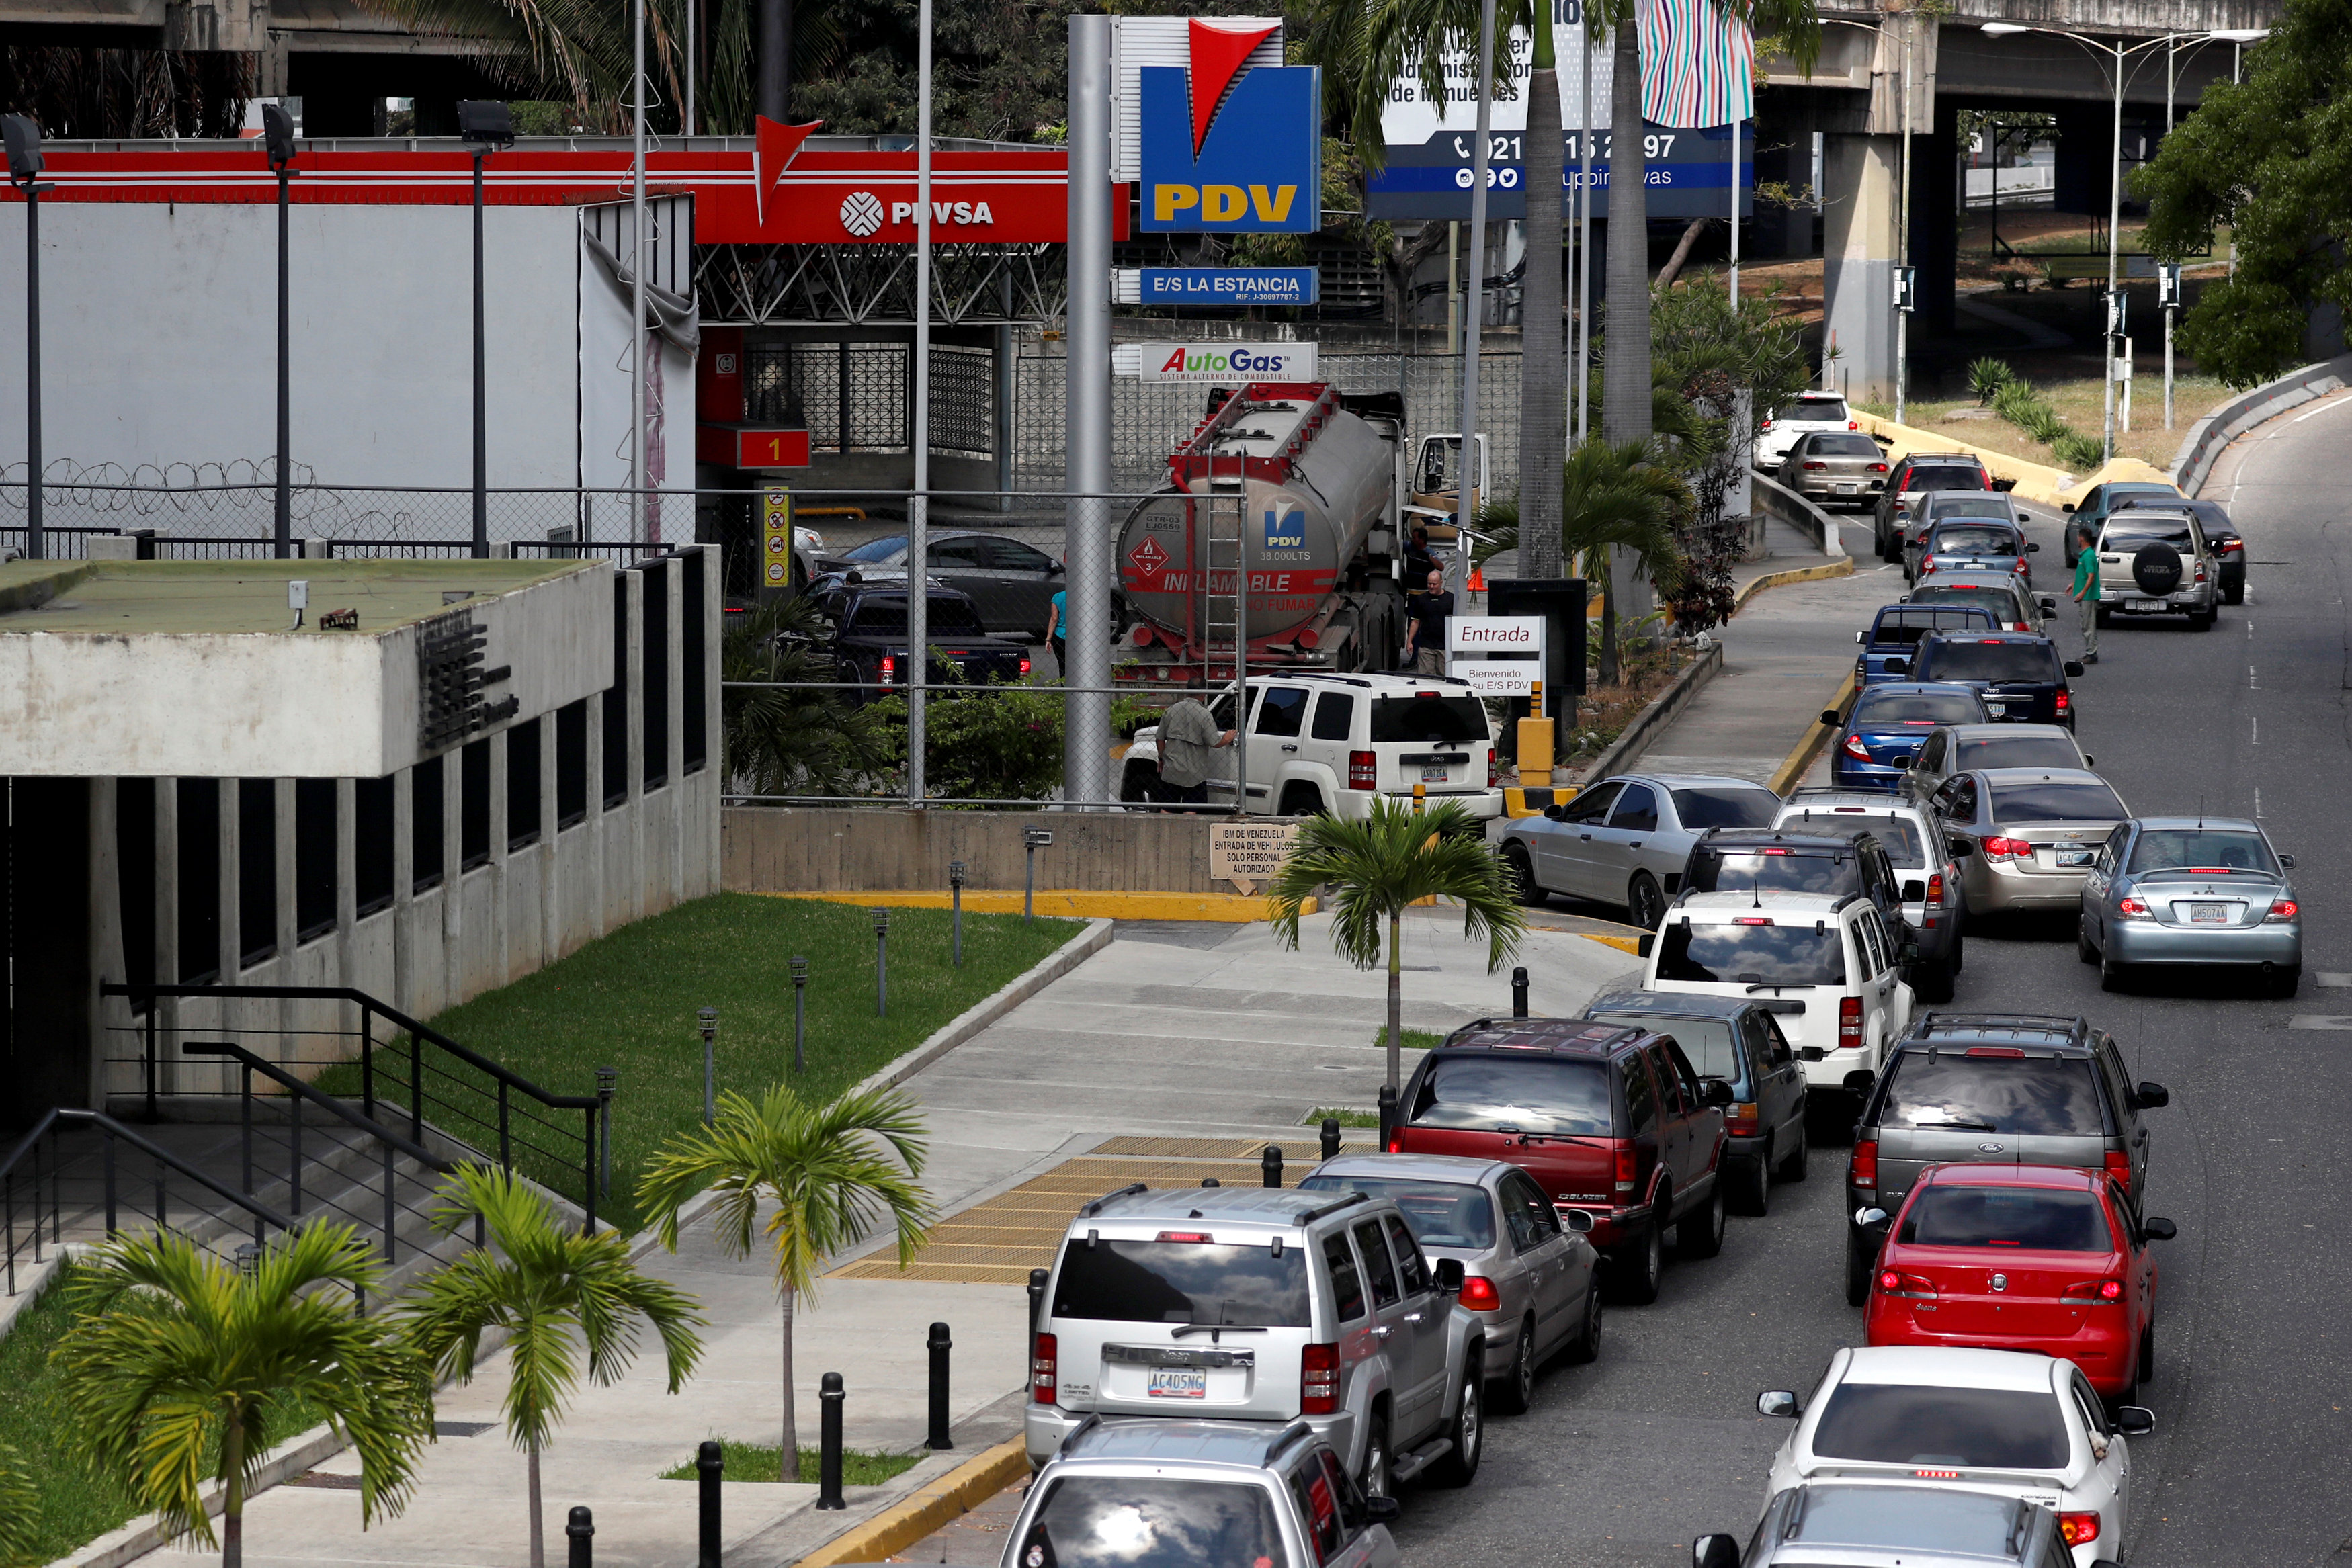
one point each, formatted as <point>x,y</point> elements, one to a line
<point>1228,148</point>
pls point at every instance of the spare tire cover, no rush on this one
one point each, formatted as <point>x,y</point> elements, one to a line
<point>2157,569</point>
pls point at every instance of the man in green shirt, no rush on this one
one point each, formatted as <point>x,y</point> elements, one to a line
<point>1187,735</point>
<point>2086,597</point>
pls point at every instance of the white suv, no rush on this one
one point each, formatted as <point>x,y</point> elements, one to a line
<point>1331,743</point>
<point>1825,966</point>
<point>1803,416</point>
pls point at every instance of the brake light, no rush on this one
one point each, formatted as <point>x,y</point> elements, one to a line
<point>1849,1023</point>
<point>1493,770</point>
<point>2004,1053</point>
<point>889,669</point>
<point>2133,909</point>
<point>2283,909</point>
<point>1752,920</point>
<point>1856,749</point>
<point>1318,1379</point>
<point>1363,770</point>
<point>2200,571</point>
<point>1045,1381</point>
<point>1478,1295</point>
<point>1624,1163</point>
<point>1878,467</point>
<point>1936,891</point>
<point>1183,1236</point>
<point>2209,870</point>
<point>1927,566</point>
<point>2107,1290</point>
<point>2065,699</point>
<point>1936,1475</point>
<point>1998,848</point>
<point>1024,664</point>
<point>1909,1287</point>
<point>1854,424</point>
<point>1740,1120</point>
<point>2119,1168</point>
<point>2021,563</point>
<point>1862,1166</point>
<point>2078,1529</point>
<point>1812,466</point>
<point>1396,1140</point>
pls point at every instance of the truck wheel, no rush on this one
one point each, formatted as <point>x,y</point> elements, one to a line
<point>1300,800</point>
<point>1700,1234</point>
<point>1468,1430</point>
<point>1379,1478</point>
<point>1135,785</point>
<point>1636,1268</point>
<point>1522,872</point>
<point>1857,1276</point>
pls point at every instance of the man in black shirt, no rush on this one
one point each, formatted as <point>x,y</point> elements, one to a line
<point>1424,639</point>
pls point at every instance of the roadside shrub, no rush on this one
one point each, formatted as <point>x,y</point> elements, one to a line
<point>1988,376</point>
<point>2080,452</point>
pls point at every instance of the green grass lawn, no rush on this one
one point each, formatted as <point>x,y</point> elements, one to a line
<point>629,1000</point>
<point>1341,1114</point>
<point>1409,1039</point>
<point>758,1462</point>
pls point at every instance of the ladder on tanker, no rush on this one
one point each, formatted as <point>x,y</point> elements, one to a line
<point>1224,600</point>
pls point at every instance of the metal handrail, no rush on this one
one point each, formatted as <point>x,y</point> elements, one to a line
<point>316,1096</point>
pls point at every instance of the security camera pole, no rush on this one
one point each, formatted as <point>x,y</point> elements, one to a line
<point>23,142</point>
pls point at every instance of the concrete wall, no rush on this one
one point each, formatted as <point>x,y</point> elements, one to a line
<point>855,850</point>
<point>467,928</point>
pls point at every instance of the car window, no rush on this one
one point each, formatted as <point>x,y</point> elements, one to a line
<point>2053,1095</point>
<point>1931,755</point>
<point>1410,1262</point>
<point>1376,1263</point>
<point>1335,717</point>
<point>2056,800</point>
<point>956,552</point>
<point>2119,1092</point>
<point>1969,659</point>
<point>1351,1501</point>
<point>1347,1282</point>
<point>1818,408</point>
<point>1012,555</point>
<point>1778,1042</point>
<point>2000,603</point>
<point>1530,1213</point>
<point>1890,1525</point>
<point>2129,530</point>
<point>2018,751</point>
<point>1430,717</point>
<point>1957,798</point>
<point>1280,711</point>
<point>1766,954</point>
<point>1637,810</point>
<point>1917,708</point>
<point>1873,948</point>
<point>1839,444</point>
<point>1593,804</point>
<point>1440,1213</point>
<point>1976,538</point>
<point>1531,1095</point>
<point>1684,1076</point>
<point>1945,476</point>
<point>2110,852</point>
<point>1221,712</point>
<point>877,552</point>
<point>1319,1511</point>
<point>1151,1521</point>
<point>1641,1096</point>
<point>1707,1041</point>
<point>2222,848</point>
<point>1165,1281</point>
<point>2032,1219</point>
<point>1699,809</point>
<point>1670,1089</point>
<point>2090,1407</point>
<point>1769,869</point>
<point>878,616</point>
<point>1989,1428</point>
<point>1985,504</point>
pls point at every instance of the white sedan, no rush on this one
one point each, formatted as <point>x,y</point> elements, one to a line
<point>1999,1420</point>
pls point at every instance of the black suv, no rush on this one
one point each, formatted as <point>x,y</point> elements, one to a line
<point>868,626</point>
<point>1991,1088</point>
<point>1733,1038</point>
<point>1915,475</point>
<point>1734,860</point>
<point>1611,1119</point>
<point>2018,674</point>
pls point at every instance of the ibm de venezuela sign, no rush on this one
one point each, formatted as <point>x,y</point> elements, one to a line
<point>1226,146</point>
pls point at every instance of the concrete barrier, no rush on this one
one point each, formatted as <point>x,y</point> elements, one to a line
<point>1636,736</point>
<point>860,850</point>
<point>2209,435</point>
<point>1775,499</point>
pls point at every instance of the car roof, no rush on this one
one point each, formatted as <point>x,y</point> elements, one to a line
<point>1822,904</point>
<point>1377,681</point>
<point>1277,1206</point>
<point>2002,731</point>
<point>2037,775</point>
<point>1968,579</point>
<point>1924,688</point>
<point>1971,519</point>
<point>1555,1036</point>
<point>1834,843</point>
<point>2227,824</point>
<point>1670,1005</point>
<point>1932,1030</point>
<point>1426,1167</point>
<point>1937,1366</point>
<point>1681,780</point>
<point>1995,636</point>
<point>1866,800</point>
<point>1846,1522</point>
<point>1927,459</point>
<point>2070,1178</point>
<point>1246,1443</point>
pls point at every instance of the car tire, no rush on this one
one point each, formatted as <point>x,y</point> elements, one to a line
<point>1466,1431</point>
<point>2102,617</point>
<point>2147,1369</point>
<point>1793,1167</point>
<point>1644,902</point>
<point>1857,1276</point>
<point>1135,784</point>
<point>2082,948</point>
<point>2285,983</point>
<point>2235,595</point>
<point>1521,870</point>
<point>1515,1390</point>
<point>1755,1189</point>
<point>1300,799</point>
<point>1936,981</point>
<point>1379,1478</point>
<point>2111,974</point>
<point>1586,1345</point>
<point>2204,622</point>
<point>1700,1233</point>
<point>1637,1268</point>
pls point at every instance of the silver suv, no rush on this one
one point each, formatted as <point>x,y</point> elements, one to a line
<point>1867,1524</point>
<point>1154,1494</point>
<point>1262,1304</point>
<point>2155,562</point>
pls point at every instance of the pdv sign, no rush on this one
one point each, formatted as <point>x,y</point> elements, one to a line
<point>1227,150</point>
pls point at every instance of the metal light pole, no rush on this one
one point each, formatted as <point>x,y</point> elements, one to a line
<point>1471,472</point>
<point>23,143</point>
<point>1903,239</point>
<point>1087,712</point>
<point>487,127</point>
<point>709,1019</point>
<point>278,141</point>
<point>640,513</point>
<point>919,509</point>
<point>800,1014</point>
<point>881,961</point>
<point>955,919</point>
<point>1584,242</point>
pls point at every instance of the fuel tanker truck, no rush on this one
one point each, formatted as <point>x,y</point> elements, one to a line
<point>1279,525</point>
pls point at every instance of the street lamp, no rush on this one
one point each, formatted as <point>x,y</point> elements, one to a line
<point>487,127</point>
<point>709,1019</point>
<point>278,141</point>
<point>23,143</point>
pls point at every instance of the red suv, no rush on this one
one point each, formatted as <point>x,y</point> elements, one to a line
<point>1609,1118</point>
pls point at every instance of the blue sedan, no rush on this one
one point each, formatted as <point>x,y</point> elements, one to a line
<point>1888,723</point>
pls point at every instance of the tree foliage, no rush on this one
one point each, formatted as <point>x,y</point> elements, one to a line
<point>782,741</point>
<point>2270,158</point>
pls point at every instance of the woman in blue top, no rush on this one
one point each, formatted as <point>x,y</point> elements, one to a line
<point>1053,633</point>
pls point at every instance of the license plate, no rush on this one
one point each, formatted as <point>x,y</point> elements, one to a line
<point>2144,604</point>
<point>1177,1383</point>
<point>1845,489</point>
<point>2208,914</point>
<point>1435,773</point>
<point>1996,707</point>
<point>2076,857</point>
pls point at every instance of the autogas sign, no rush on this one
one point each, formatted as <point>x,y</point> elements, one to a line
<point>1229,148</point>
<point>1224,362</point>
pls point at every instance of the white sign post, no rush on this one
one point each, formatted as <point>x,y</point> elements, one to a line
<point>1472,643</point>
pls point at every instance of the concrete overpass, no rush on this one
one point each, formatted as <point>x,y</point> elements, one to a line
<point>1854,99</point>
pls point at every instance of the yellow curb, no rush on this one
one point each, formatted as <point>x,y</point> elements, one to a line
<point>1841,567</point>
<point>1624,944</point>
<point>1232,908</point>
<point>904,1522</point>
<point>1817,734</point>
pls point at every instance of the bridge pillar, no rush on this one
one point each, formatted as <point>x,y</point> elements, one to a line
<point>2086,152</point>
<point>1861,218</point>
<point>1935,227</point>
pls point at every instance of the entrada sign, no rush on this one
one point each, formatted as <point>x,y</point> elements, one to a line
<point>1228,149</point>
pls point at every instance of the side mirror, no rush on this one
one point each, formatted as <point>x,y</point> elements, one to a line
<point>1054,568</point>
<point>2286,862</point>
<point>2089,760</point>
<point>1862,637</point>
<point>2152,1097</point>
<point>1914,891</point>
<point>2049,606</point>
<point>2032,549</point>
<point>1715,1093</point>
<point>1898,666</point>
<point>2155,1230</point>
<point>1449,1275</point>
<point>1859,1081</point>
<point>1910,954</point>
<point>1578,1220</point>
<point>2004,486</point>
<point>1830,716</point>
<point>1649,940</point>
<point>1961,849</point>
<point>2132,1421</point>
<point>2066,506</point>
<point>1382,1509</point>
<point>1715,1552</point>
<point>2073,667</point>
<point>1809,1054</point>
<point>1870,1219</point>
<point>1556,813</point>
<point>1778,1402</point>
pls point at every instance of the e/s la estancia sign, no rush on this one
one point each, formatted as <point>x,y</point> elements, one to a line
<point>1222,362</point>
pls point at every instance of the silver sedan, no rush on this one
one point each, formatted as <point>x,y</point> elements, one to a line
<point>1529,1272</point>
<point>1624,839</point>
<point>2191,890</point>
<point>2026,837</point>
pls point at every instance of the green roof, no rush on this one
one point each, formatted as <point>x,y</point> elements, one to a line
<point>186,597</point>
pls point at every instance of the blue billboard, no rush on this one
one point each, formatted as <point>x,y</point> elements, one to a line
<point>1690,173</point>
<point>1229,150</point>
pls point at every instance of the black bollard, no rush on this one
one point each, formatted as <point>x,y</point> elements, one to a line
<point>1271,1163</point>
<point>939,1345</point>
<point>1388,1118</point>
<point>1519,993</point>
<point>828,1450</point>
<point>1037,1278</point>
<point>1211,1181</point>
<point>581,1527</point>
<point>710,1461</point>
<point>1331,1137</point>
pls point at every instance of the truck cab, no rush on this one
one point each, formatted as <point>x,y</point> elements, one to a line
<point>1894,633</point>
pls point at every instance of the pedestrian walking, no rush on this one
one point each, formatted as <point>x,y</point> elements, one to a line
<point>1057,635</point>
<point>1187,737</point>
<point>2086,600</point>
<point>1424,636</point>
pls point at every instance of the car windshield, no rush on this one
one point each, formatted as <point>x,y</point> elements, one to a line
<point>1140,1282</point>
<point>2166,847</point>
<point>1976,1428</point>
<point>2128,531</point>
<point>1820,408</point>
<point>1772,869</point>
<point>1945,476</point>
<point>1440,1213</point>
<point>1763,954</point>
<point>1700,809</point>
<point>2025,1095</point>
<point>1976,538</point>
<point>1903,1520</point>
<point>1487,1093</point>
<point>1964,659</point>
<point>1915,708</point>
<point>1432,718</point>
<point>1985,504</point>
<point>1707,1041</point>
<point>1895,835</point>
<point>1842,446</point>
<point>2015,751</point>
<point>886,549</point>
<point>2056,800</point>
<point>1900,628</point>
<point>1997,603</point>
<point>888,617</point>
<point>2035,1220</point>
<point>1153,1522</point>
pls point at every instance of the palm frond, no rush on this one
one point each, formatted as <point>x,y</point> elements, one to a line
<point>1372,869</point>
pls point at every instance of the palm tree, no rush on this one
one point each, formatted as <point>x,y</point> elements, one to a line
<point>1375,868</point>
<point>777,741</point>
<point>553,1291</point>
<point>1624,497</point>
<point>828,1169</point>
<point>177,1360</point>
<point>19,1508</point>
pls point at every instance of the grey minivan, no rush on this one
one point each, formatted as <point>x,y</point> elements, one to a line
<point>1262,1304</point>
<point>2006,1088</point>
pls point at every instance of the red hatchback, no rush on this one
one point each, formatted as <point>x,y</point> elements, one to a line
<point>2030,1258</point>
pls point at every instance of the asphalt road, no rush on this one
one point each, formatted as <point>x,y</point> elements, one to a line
<point>1624,1462</point>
